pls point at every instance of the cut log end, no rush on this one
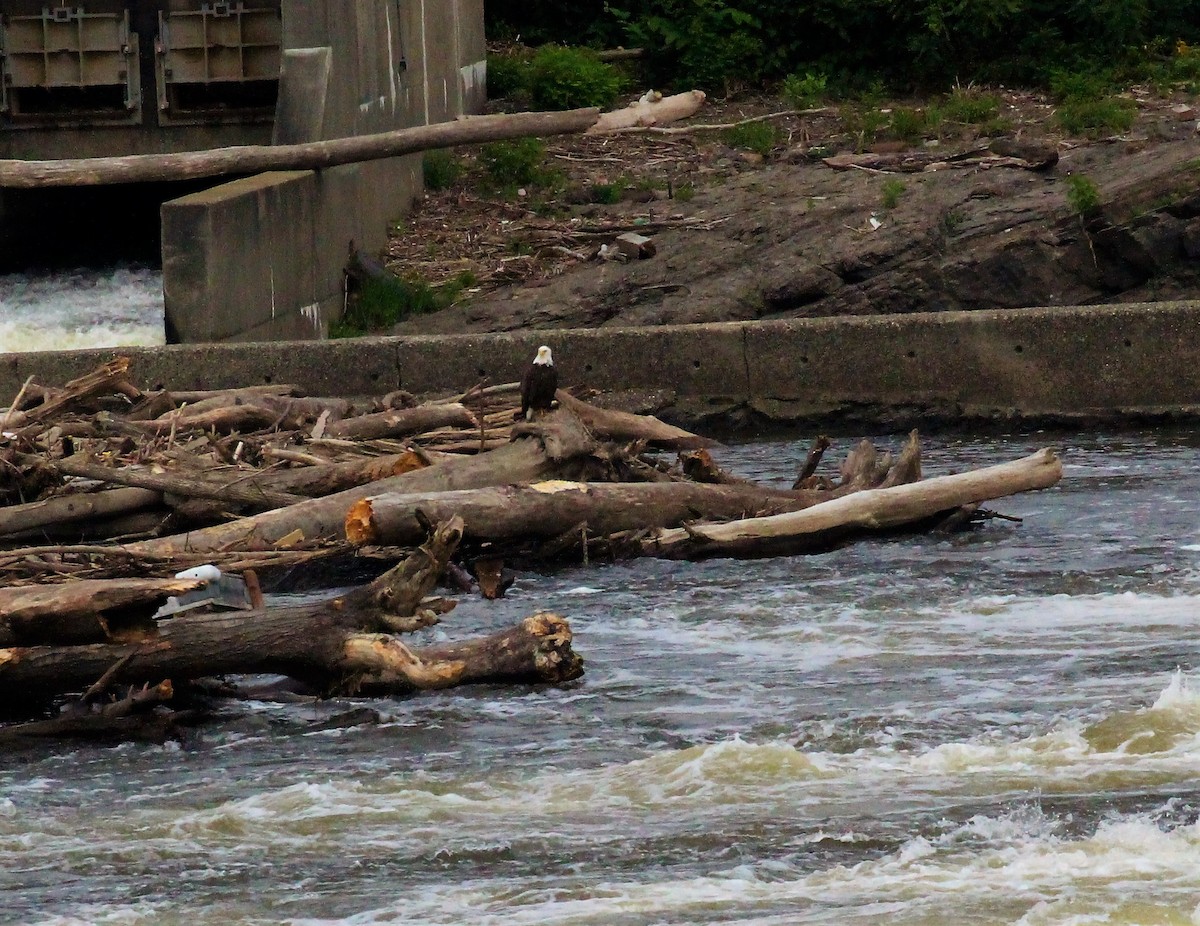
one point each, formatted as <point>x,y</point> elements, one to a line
<point>359,529</point>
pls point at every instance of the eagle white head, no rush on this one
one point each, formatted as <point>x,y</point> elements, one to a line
<point>543,358</point>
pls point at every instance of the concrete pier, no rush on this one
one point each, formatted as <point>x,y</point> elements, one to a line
<point>1088,365</point>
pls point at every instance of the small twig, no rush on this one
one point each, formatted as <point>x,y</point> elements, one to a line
<point>16,401</point>
<point>716,127</point>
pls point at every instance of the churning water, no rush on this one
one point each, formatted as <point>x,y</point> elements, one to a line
<point>1001,727</point>
<point>68,310</point>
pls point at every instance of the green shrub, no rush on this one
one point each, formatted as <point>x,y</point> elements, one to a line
<point>909,124</point>
<point>1082,195</point>
<point>382,303</point>
<point>892,191</point>
<point>513,163</point>
<point>606,193</point>
<point>969,107</point>
<point>508,74</point>
<point>759,137</point>
<point>441,168</point>
<point>863,123</point>
<point>804,92</point>
<point>1096,118</point>
<point>571,78</point>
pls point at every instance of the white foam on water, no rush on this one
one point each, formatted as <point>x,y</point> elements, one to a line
<point>81,309</point>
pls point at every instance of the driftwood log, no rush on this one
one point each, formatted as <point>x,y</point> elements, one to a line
<point>343,644</point>
<point>559,444</point>
<point>253,159</point>
<point>821,527</point>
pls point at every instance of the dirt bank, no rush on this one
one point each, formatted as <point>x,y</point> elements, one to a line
<point>741,236</point>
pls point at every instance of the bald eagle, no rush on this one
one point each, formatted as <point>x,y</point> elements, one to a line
<point>538,385</point>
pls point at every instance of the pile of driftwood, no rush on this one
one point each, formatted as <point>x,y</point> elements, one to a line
<point>111,491</point>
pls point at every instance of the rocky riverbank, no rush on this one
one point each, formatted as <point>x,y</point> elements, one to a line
<point>744,235</point>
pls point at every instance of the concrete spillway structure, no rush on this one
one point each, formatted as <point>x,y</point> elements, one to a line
<point>260,257</point>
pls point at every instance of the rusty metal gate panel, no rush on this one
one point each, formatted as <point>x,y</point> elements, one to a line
<point>68,66</point>
<point>219,61</point>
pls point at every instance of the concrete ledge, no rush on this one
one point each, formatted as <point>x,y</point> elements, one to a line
<point>1075,365</point>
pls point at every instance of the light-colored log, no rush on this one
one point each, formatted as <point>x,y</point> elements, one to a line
<point>86,610</point>
<point>608,424</point>
<point>818,526</point>
<point>561,443</point>
<point>403,421</point>
<point>656,112</point>
<point>544,510</point>
<point>253,159</point>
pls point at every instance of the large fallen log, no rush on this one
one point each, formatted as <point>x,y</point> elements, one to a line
<point>625,426</point>
<point>830,523</point>
<point>17,520</point>
<point>86,611</point>
<point>560,444</point>
<point>253,159</point>
<point>403,421</point>
<point>649,112</point>
<point>545,510</point>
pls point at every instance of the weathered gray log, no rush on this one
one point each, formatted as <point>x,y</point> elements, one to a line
<point>80,506</point>
<point>234,493</point>
<point>403,421</point>
<point>326,478</point>
<point>560,444</point>
<point>545,510</point>
<point>823,526</point>
<point>85,611</point>
<point>625,426</point>
<point>252,159</point>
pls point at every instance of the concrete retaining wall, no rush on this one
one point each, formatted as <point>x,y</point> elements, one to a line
<point>261,258</point>
<point>1088,364</point>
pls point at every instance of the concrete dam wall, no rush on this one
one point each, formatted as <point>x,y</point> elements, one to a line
<point>1115,364</point>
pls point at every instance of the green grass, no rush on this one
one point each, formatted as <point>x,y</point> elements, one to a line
<point>892,191</point>
<point>1096,118</point>
<point>759,137</point>
<point>911,125</point>
<point>970,107</point>
<point>441,169</point>
<point>1082,194</point>
<point>521,163</point>
<point>804,92</point>
<point>380,304</point>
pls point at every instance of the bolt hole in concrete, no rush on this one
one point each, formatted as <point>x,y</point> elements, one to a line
<point>912,354</point>
<point>88,307</point>
<point>804,358</point>
<point>1018,348</point>
<point>267,379</point>
<point>1128,343</point>
<point>482,373</point>
<point>587,368</point>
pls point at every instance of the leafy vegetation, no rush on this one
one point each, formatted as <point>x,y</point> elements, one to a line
<point>570,78</point>
<point>381,303</point>
<point>440,168</point>
<point>893,189</point>
<point>804,92</point>
<point>759,137</point>
<point>970,107</point>
<point>1086,106</point>
<point>1082,195</point>
<point>514,163</point>
<point>717,45</point>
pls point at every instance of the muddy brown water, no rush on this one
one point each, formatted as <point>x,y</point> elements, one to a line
<point>1001,727</point>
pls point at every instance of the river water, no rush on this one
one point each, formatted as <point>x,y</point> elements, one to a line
<point>1001,727</point>
<point>70,309</point>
